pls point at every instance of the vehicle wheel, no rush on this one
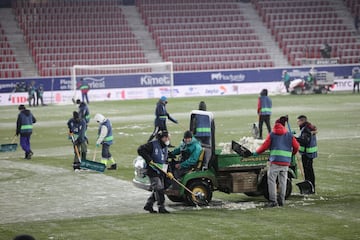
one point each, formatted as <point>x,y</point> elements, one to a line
<point>298,91</point>
<point>288,189</point>
<point>260,189</point>
<point>199,188</point>
<point>253,194</point>
<point>324,90</point>
<point>175,198</point>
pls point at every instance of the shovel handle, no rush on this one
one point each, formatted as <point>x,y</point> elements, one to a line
<point>94,157</point>
<point>13,140</point>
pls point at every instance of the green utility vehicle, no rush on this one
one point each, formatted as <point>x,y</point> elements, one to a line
<point>229,173</point>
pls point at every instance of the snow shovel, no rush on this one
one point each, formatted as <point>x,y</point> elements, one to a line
<point>198,197</point>
<point>241,150</point>
<point>305,187</point>
<point>9,147</point>
<point>87,164</point>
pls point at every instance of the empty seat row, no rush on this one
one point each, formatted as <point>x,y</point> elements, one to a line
<point>130,43</point>
<point>297,9</point>
<point>82,48</point>
<point>78,29</point>
<point>212,51</point>
<point>219,45</point>
<point>9,65</point>
<point>309,28</point>
<point>199,26</point>
<point>88,61</point>
<point>189,13</point>
<point>7,58</point>
<point>206,38</point>
<point>222,65</point>
<point>10,73</point>
<point>303,22</point>
<point>328,34</point>
<point>276,4</point>
<point>190,6</point>
<point>65,9</point>
<point>185,2</point>
<point>193,19</point>
<point>78,22</point>
<point>87,55</point>
<point>218,58</point>
<point>62,3</point>
<point>95,15</point>
<point>77,36</point>
<point>200,32</point>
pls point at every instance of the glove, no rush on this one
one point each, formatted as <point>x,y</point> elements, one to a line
<point>97,145</point>
<point>17,134</point>
<point>170,175</point>
<point>151,162</point>
<point>176,121</point>
<point>171,155</point>
<point>255,154</point>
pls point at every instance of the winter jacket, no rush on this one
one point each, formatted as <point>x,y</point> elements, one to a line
<point>282,145</point>
<point>161,115</point>
<point>84,112</point>
<point>155,151</point>
<point>105,133</point>
<point>264,105</point>
<point>24,123</point>
<point>78,128</point>
<point>192,152</point>
<point>307,140</point>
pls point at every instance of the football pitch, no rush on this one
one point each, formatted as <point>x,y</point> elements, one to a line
<point>45,198</point>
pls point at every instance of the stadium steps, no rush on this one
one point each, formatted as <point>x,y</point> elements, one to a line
<point>141,33</point>
<point>264,35</point>
<point>16,40</point>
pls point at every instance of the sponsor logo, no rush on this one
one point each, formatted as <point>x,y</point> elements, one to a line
<point>148,80</point>
<point>167,91</point>
<point>95,83</point>
<point>18,99</point>
<point>8,85</point>
<point>227,77</point>
<point>192,92</point>
<point>223,90</point>
<point>66,84</point>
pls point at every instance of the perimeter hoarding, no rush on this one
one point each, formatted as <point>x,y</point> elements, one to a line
<point>138,86</point>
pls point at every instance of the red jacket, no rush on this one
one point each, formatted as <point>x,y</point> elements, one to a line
<point>278,129</point>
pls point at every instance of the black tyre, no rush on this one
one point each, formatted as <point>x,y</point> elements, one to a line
<point>288,189</point>
<point>175,198</point>
<point>202,193</point>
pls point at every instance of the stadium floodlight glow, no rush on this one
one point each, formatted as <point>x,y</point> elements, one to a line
<point>144,69</point>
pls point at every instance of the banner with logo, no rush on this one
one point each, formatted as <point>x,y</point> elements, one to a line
<point>137,86</point>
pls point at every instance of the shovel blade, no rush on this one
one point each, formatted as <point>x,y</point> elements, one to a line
<point>8,147</point>
<point>306,187</point>
<point>241,150</point>
<point>91,165</point>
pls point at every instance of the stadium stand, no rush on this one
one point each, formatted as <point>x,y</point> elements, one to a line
<point>9,68</point>
<point>203,35</point>
<point>63,33</point>
<point>302,27</point>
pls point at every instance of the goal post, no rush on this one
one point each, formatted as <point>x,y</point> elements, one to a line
<point>123,76</point>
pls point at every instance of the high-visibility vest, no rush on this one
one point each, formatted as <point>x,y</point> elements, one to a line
<point>281,148</point>
<point>266,105</point>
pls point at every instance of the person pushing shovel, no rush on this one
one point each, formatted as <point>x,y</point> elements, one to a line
<point>77,128</point>
<point>105,138</point>
<point>24,126</point>
<point>156,152</point>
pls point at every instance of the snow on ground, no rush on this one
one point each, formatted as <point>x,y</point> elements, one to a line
<point>34,192</point>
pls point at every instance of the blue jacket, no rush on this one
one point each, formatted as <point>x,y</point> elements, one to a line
<point>78,128</point>
<point>84,112</point>
<point>307,140</point>
<point>24,123</point>
<point>161,115</point>
<point>265,105</point>
<point>109,136</point>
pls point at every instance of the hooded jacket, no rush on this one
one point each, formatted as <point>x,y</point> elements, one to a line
<point>24,123</point>
<point>282,145</point>
<point>192,150</point>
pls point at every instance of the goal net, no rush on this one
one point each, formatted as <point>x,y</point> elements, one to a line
<point>154,76</point>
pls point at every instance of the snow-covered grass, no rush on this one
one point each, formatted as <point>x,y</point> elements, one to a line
<point>45,198</point>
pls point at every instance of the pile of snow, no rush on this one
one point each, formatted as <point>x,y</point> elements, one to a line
<point>249,142</point>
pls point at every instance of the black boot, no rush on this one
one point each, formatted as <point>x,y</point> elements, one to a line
<point>162,209</point>
<point>113,167</point>
<point>148,207</point>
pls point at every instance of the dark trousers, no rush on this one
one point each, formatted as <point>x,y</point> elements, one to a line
<point>308,169</point>
<point>105,152</point>
<point>159,126</point>
<point>82,149</point>
<point>25,143</point>
<point>262,119</point>
<point>356,84</point>
<point>157,195</point>
<point>41,99</point>
<point>85,96</point>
